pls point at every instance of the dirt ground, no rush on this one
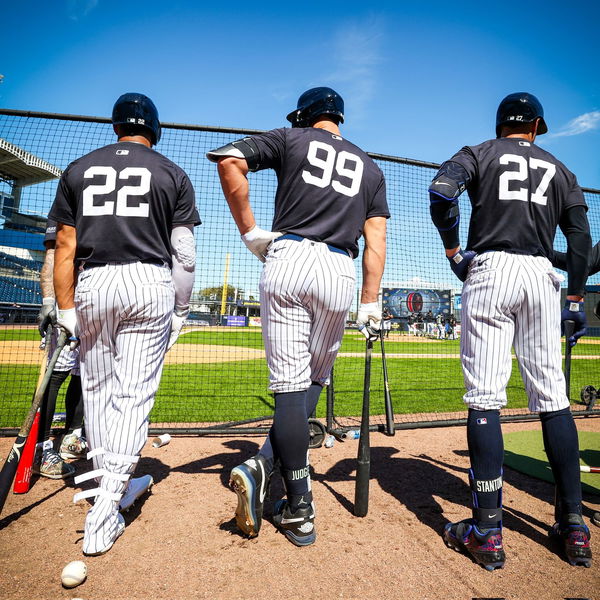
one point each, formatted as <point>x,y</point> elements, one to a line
<point>181,541</point>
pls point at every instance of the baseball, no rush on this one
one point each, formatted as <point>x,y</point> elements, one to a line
<point>74,574</point>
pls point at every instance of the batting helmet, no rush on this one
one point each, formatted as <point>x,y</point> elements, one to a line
<point>138,110</point>
<point>520,107</point>
<point>314,102</point>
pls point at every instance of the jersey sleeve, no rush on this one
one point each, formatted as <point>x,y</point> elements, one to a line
<point>185,209</point>
<point>379,206</point>
<point>575,194</point>
<point>467,159</point>
<point>271,147</point>
<point>64,209</point>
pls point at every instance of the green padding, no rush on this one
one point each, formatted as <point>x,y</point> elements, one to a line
<point>524,452</point>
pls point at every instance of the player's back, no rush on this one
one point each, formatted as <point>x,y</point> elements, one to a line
<point>327,186</point>
<point>518,192</point>
<point>122,199</point>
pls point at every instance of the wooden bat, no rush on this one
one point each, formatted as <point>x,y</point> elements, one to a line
<point>569,329</point>
<point>586,469</point>
<point>390,429</point>
<point>25,468</point>
<point>363,467</point>
<point>9,468</point>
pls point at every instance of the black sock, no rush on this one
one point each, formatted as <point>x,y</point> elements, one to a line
<point>74,405</point>
<point>289,437</point>
<point>49,404</point>
<point>562,448</point>
<point>312,398</point>
<point>486,451</point>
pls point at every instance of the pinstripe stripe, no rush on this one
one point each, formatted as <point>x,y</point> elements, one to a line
<point>512,300</point>
<point>306,291</point>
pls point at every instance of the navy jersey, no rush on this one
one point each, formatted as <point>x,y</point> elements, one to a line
<point>123,200</point>
<point>518,194</point>
<point>327,186</point>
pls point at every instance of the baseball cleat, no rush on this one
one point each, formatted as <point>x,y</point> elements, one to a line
<point>298,526</point>
<point>484,546</point>
<point>118,533</point>
<point>137,487</point>
<point>49,464</point>
<point>576,539</point>
<point>250,481</point>
<point>73,446</point>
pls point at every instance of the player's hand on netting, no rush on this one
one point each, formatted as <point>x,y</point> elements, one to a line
<point>573,311</point>
<point>67,319</point>
<point>459,263</point>
<point>46,316</point>
<point>258,240</point>
<point>179,317</point>
<point>368,320</point>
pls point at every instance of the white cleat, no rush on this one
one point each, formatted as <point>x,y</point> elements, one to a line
<point>137,487</point>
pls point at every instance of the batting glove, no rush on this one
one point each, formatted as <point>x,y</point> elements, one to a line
<point>258,240</point>
<point>179,317</point>
<point>459,263</point>
<point>369,320</point>
<point>573,311</point>
<point>47,315</point>
<point>67,319</point>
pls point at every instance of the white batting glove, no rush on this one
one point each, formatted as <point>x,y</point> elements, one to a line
<point>258,240</point>
<point>369,320</point>
<point>177,321</point>
<point>67,319</point>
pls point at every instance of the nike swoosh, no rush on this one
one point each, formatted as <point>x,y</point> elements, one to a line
<point>262,491</point>
<point>491,516</point>
<point>286,521</point>
<point>441,183</point>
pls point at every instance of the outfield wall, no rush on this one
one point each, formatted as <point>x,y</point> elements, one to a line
<point>216,374</point>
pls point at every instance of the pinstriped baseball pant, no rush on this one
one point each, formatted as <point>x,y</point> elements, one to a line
<point>512,300</point>
<point>124,313</point>
<point>305,294</point>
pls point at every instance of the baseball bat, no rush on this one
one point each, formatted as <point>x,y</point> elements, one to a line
<point>363,467</point>
<point>25,468</point>
<point>569,329</point>
<point>390,429</point>
<point>9,468</point>
<point>586,469</point>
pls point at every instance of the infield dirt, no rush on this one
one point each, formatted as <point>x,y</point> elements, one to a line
<point>181,541</point>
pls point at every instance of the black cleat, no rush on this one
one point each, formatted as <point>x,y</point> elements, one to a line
<point>298,526</point>
<point>575,536</point>
<point>484,546</point>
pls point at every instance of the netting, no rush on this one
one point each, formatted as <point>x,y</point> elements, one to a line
<point>216,374</point>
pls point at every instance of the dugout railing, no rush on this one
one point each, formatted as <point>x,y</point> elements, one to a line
<point>215,378</point>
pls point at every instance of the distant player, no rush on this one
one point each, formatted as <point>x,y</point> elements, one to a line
<point>329,194</point>
<point>519,194</point>
<point>126,216</point>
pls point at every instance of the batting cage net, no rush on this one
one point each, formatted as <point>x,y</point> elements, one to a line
<point>215,378</point>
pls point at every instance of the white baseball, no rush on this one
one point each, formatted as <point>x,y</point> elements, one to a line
<point>74,574</point>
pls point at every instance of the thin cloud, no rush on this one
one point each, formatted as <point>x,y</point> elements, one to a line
<point>357,55</point>
<point>77,9</point>
<point>578,125</point>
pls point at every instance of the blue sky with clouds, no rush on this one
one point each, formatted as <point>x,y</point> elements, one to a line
<point>420,79</point>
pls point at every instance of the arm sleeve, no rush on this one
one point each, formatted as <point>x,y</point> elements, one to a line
<point>184,263</point>
<point>574,224</point>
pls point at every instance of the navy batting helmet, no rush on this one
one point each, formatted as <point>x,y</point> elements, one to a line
<point>520,107</point>
<point>138,110</point>
<point>314,102</point>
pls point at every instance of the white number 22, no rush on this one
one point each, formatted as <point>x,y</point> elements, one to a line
<point>345,164</point>
<point>89,208</point>
<point>538,197</point>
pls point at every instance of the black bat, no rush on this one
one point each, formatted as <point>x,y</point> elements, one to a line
<point>390,429</point>
<point>363,467</point>
<point>569,329</point>
<point>12,462</point>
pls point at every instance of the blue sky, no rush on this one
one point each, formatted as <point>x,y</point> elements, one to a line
<point>420,79</point>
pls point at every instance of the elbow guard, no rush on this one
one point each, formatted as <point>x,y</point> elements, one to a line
<point>184,248</point>
<point>245,148</point>
<point>450,182</point>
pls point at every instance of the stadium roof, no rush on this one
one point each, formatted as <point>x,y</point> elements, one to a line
<point>22,167</point>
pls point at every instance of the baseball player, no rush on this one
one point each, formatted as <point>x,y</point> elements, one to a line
<point>48,462</point>
<point>329,194</point>
<point>519,195</point>
<point>125,217</point>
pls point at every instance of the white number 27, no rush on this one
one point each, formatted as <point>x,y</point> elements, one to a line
<point>538,197</point>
